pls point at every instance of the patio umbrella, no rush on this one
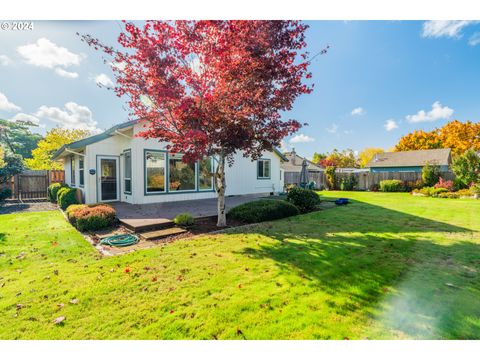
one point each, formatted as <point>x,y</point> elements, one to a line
<point>304,174</point>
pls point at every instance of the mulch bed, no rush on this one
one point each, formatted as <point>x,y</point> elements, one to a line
<point>10,207</point>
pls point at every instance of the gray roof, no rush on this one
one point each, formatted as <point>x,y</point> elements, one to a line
<point>411,158</point>
<point>111,132</point>
<point>296,166</point>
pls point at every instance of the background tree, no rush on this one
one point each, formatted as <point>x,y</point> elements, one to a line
<point>54,140</point>
<point>343,159</point>
<point>367,155</point>
<point>17,138</point>
<point>467,168</point>
<point>212,88</point>
<point>317,157</point>
<point>12,165</point>
<point>2,156</point>
<point>455,135</point>
<point>430,174</point>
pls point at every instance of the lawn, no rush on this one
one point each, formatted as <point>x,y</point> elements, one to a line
<point>386,266</point>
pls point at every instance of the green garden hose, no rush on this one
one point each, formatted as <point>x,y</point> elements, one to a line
<point>120,240</point>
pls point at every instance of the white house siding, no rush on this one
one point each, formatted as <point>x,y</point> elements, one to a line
<point>241,177</point>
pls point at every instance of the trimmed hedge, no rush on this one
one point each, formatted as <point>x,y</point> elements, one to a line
<point>184,219</point>
<point>52,191</point>
<point>5,193</point>
<point>263,210</point>
<point>392,186</point>
<point>91,217</point>
<point>66,197</point>
<point>304,200</point>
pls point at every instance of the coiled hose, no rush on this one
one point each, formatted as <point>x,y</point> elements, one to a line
<point>120,240</point>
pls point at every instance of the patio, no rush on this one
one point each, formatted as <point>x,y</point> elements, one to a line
<point>142,216</point>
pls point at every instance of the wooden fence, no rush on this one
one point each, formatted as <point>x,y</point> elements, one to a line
<point>364,179</point>
<point>33,184</point>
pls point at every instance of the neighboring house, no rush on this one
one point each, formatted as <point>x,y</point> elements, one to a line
<point>410,160</point>
<point>294,163</point>
<point>117,165</point>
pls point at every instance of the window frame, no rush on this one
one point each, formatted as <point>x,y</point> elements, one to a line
<point>72,170</point>
<point>81,171</point>
<point>195,173</point>
<point>212,167</point>
<point>263,168</point>
<point>129,151</point>
<point>145,186</point>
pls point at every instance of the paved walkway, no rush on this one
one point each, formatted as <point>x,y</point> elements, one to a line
<point>168,210</point>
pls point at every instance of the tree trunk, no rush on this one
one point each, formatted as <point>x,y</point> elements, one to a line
<point>220,187</point>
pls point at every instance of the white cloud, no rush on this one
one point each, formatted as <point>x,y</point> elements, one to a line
<point>438,112</point>
<point>474,39</point>
<point>65,73</point>
<point>27,117</point>
<point>7,105</point>
<point>332,129</point>
<point>5,60</point>
<point>446,28</point>
<point>390,125</point>
<point>104,80</point>
<point>358,111</point>
<point>301,138</point>
<point>73,117</point>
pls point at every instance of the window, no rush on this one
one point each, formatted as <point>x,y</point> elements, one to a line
<point>127,176</point>
<point>181,175</point>
<point>155,171</point>
<point>81,171</point>
<point>205,174</point>
<point>263,169</point>
<point>72,171</point>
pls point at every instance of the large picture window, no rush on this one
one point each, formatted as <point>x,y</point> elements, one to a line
<point>127,175</point>
<point>81,171</point>
<point>72,171</point>
<point>155,171</point>
<point>205,174</point>
<point>263,169</point>
<point>181,175</point>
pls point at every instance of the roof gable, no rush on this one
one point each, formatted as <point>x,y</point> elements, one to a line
<point>411,158</point>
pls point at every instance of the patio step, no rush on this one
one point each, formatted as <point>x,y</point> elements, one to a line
<point>141,225</point>
<point>159,234</point>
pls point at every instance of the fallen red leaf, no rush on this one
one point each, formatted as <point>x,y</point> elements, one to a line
<point>127,270</point>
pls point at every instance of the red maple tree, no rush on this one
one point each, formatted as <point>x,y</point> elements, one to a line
<point>212,88</point>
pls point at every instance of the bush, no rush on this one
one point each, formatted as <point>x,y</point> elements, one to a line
<point>413,185</point>
<point>71,212</point>
<point>263,210</point>
<point>449,195</point>
<point>66,197</point>
<point>465,193</point>
<point>431,191</point>
<point>430,174</point>
<point>475,189</point>
<point>5,193</point>
<point>95,217</point>
<point>184,219</point>
<point>392,186</point>
<point>330,177</point>
<point>374,187</point>
<point>467,168</point>
<point>348,183</point>
<point>52,191</point>
<point>446,184</point>
<point>304,200</point>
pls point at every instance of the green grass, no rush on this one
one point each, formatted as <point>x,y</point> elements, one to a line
<point>376,268</point>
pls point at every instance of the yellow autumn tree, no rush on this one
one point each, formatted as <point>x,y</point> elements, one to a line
<point>460,137</point>
<point>2,157</point>
<point>367,154</point>
<point>419,140</point>
<point>54,140</point>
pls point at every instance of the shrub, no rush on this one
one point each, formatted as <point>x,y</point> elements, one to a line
<point>348,183</point>
<point>263,210</point>
<point>66,197</point>
<point>392,186</point>
<point>449,195</point>
<point>71,212</point>
<point>435,192</point>
<point>330,177</point>
<point>475,189</point>
<point>465,193</point>
<point>467,168</point>
<point>446,184</point>
<point>374,187</point>
<point>430,174</point>
<point>5,193</point>
<point>184,219</point>
<point>52,191</point>
<point>304,200</point>
<point>96,217</point>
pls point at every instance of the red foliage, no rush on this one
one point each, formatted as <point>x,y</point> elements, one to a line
<point>445,184</point>
<point>327,162</point>
<point>212,87</point>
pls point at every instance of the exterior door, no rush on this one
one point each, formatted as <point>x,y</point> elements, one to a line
<point>108,186</point>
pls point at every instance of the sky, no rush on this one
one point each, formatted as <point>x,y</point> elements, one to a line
<point>379,80</point>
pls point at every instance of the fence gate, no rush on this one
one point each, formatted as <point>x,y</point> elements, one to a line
<point>33,184</point>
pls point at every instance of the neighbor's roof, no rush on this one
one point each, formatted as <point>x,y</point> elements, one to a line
<point>297,166</point>
<point>411,158</point>
<point>111,132</point>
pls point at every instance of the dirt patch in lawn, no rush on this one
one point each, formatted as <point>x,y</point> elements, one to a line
<point>11,207</point>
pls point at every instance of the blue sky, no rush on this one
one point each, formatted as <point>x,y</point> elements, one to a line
<point>379,80</point>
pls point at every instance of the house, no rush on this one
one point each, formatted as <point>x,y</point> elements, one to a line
<point>117,165</point>
<point>294,163</point>
<point>410,160</point>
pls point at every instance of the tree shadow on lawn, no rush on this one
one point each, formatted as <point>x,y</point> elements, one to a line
<point>412,277</point>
